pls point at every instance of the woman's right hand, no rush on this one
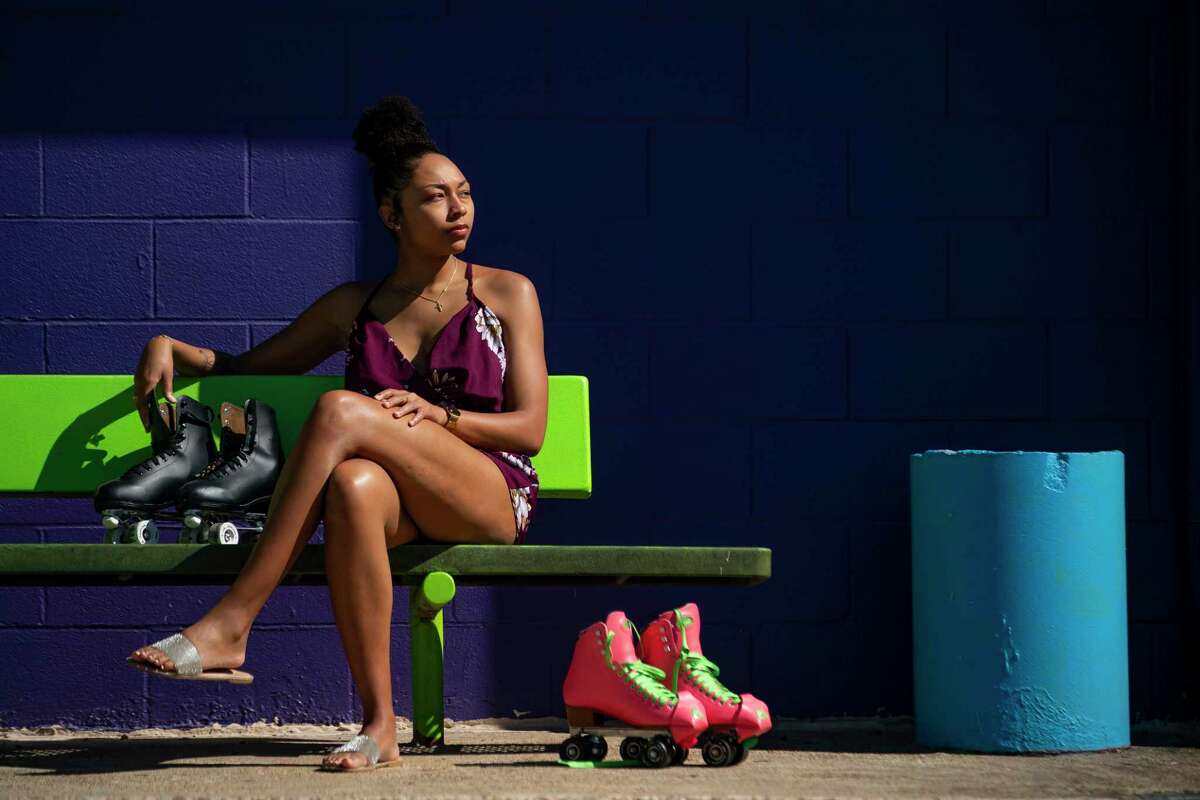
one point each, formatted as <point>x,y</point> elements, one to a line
<point>157,365</point>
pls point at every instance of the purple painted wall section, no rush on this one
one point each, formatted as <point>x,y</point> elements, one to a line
<point>789,243</point>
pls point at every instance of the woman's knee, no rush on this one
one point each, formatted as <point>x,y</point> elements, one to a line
<point>340,409</point>
<point>359,488</point>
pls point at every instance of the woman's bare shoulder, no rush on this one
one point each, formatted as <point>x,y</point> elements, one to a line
<point>504,285</point>
<point>339,306</point>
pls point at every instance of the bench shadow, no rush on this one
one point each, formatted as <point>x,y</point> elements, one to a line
<point>104,756</point>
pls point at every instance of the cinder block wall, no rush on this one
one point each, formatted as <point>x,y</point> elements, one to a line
<point>789,243</point>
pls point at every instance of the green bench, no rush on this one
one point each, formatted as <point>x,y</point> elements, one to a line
<point>69,433</point>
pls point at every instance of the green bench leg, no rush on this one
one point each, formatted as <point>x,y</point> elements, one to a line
<point>425,603</point>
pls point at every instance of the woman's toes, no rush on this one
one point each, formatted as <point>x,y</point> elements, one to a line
<point>343,761</point>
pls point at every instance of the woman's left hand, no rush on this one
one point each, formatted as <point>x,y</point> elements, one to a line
<point>406,402</point>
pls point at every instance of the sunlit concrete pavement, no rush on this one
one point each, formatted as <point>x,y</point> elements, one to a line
<point>511,758</point>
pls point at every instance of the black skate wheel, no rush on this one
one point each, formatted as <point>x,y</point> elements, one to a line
<point>718,751</point>
<point>676,753</point>
<point>572,749</point>
<point>742,752</point>
<point>632,748</point>
<point>656,754</point>
<point>595,746</point>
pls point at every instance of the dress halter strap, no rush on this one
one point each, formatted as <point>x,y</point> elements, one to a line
<point>367,302</point>
<point>470,282</point>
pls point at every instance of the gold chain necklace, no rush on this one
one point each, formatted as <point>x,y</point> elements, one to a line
<point>438,302</point>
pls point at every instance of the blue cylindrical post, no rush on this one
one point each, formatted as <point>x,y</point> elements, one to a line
<point>1018,594</point>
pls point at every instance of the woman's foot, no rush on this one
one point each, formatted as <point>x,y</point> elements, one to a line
<point>218,647</point>
<point>384,734</point>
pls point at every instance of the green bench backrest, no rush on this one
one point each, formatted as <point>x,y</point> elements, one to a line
<point>67,434</point>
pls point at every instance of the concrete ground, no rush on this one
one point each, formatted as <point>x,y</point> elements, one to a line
<point>518,758</point>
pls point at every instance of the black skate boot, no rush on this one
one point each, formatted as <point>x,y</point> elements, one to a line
<point>239,484</point>
<point>182,442</point>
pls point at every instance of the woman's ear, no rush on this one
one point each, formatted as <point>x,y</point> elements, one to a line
<point>390,219</point>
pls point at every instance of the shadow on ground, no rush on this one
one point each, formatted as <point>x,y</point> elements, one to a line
<point>108,755</point>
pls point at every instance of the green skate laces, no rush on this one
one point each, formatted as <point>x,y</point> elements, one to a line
<point>702,671</point>
<point>645,678</point>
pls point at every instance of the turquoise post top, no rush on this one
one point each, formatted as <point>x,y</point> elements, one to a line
<point>1018,594</point>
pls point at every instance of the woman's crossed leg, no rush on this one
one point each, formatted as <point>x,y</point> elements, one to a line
<point>439,485</point>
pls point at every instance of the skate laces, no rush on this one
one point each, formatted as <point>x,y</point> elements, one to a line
<point>645,678</point>
<point>230,451</point>
<point>227,465</point>
<point>648,680</point>
<point>172,449</point>
<point>702,671</point>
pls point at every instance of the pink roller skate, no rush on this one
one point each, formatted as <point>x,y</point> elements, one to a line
<point>672,643</point>
<point>607,679</point>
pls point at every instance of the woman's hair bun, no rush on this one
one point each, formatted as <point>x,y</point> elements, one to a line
<point>385,129</point>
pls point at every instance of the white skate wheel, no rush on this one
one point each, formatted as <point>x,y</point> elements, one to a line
<point>227,533</point>
<point>145,532</point>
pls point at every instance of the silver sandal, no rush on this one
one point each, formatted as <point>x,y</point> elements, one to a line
<point>180,649</point>
<point>361,743</point>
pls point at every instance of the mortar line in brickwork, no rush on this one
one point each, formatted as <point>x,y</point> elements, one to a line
<point>1147,70</point>
<point>546,62</point>
<point>1146,271</point>
<point>1046,368</point>
<point>153,269</point>
<point>647,334</point>
<point>346,65</point>
<point>746,80</point>
<point>1046,157</point>
<point>846,154</point>
<point>42,172</point>
<point>246,170</point>
<point>649,147</point>
<point>750,262</point>
<point>946,72</point>
<point>946,262</point>
<point>849,406</point>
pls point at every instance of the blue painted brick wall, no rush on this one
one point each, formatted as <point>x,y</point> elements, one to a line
<point>790,243</point>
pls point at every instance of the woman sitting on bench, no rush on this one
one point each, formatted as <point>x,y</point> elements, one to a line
<point>435,445</point>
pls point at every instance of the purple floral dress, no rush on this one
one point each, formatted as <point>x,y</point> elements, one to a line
<point>466,367</point>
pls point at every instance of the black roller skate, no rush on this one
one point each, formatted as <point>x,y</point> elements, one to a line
<point>182,442</point>
<point>240,481</point>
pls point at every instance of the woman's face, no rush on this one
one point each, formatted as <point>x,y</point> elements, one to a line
<point>437,199</point>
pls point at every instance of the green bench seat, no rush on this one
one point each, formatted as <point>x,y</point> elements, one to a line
<point>69,433</point>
